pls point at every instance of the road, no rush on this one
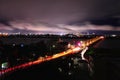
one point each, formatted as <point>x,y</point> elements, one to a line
<point>73,50</point>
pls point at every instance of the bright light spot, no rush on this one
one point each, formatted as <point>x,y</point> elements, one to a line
<point>69,73</point>
<point>61,34</point>
<point>60,69</point>
<point>102,37</point>
<point>4,65</point>
<point>79,44</point>
<point>69,64</point>
<point>13,44</point>
<point>53,46</point>
<point>69,45</point>
<point>22,45</point>
<point>113,35</point>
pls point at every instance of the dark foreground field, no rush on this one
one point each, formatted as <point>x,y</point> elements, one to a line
<point>106,67</point>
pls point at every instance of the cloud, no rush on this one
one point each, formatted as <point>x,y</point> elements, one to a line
<point>42,27</point>
<point>58,11</point>
<point>23,26</point>
<point>88,27</point>
<point>32,26</point>
<point>4,27</point>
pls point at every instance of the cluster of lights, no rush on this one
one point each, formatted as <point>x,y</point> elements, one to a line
<point>3,34</point>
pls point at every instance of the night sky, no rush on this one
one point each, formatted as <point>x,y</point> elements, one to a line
<point>57,16</point>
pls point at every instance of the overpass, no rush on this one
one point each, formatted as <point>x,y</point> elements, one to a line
<point>73,50</point>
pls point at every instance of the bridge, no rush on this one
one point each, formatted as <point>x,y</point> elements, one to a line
<point>77,48</point>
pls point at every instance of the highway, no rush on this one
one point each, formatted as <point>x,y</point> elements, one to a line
<point>73,50</point>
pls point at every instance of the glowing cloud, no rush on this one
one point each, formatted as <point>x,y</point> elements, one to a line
<point>38,27</point>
